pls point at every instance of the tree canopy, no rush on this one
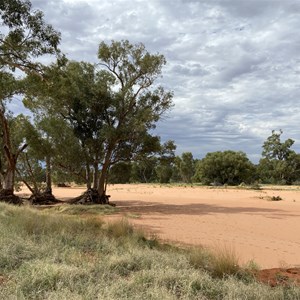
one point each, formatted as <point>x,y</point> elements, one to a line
<point>280,164</point>
<point>24,37</point>
<point>228,167</point>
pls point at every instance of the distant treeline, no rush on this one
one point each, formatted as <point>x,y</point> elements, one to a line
<point>278,165</point>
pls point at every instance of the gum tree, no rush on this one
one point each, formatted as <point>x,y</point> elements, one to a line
<point>280,164</point>
<point>187,167</point>
<point>137,102</point>
<point>10,151</point>
<point>111,106</point>
<point>24,37</point>
<point>166,160</point>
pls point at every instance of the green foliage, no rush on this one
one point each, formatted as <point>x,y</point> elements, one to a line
<point>120,173</point>
<point>135,106</point>
<point>164,168</point>
<point>24,37</point>
<point>228,167</point>
<point>27,37</point>
<point>187,167</point>
<point>273,148</point>
<point>8,86</point>
<point>110,109</point>
<point>176,176</point>
<point>280,164</point>
<point>144,170</point>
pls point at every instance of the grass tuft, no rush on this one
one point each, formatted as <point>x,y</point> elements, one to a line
<point>94,209</point>
<point>220,261</point>
<point>225,261</point>
<point>121,228</point>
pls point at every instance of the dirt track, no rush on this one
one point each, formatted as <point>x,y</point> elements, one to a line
<point>265,231</point>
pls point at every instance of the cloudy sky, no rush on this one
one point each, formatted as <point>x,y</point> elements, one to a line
<point>233,65</point>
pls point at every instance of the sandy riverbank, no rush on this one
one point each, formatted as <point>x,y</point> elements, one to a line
<point>265,231</point>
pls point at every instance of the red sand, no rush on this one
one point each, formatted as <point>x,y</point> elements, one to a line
<point>265,231</point>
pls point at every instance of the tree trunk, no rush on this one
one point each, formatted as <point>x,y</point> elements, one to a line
<point>32,190</point>
<point>144,175</point>
<point>8,182</point>
<point>101,183</point>
<point>88,176</point>
<point>48,176</point>
<point>95,174</point>
<point>35,189</point>
<point>7,192</point>
<point>98,194</point>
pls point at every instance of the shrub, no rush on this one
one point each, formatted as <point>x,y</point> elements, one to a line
<point>276,198</point>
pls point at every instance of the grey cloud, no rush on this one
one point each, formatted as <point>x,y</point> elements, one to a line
<point>239,67</point>
<point>254,8</point>
<point>233,65</point>
<point>189,70</point>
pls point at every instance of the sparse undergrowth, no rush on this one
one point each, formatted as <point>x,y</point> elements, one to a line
<point>93,209</point>
<point>272,198</point>
<point>45,255</point>
<point>276,198</point>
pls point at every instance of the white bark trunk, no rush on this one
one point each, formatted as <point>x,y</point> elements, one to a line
<point>8,181</point>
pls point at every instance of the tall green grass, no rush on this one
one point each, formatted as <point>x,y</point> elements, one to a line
<point>45,255</point>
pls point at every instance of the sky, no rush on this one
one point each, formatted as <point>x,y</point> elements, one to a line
<point>233,65</point>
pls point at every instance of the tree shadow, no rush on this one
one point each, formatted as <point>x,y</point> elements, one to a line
<point>148,207</point>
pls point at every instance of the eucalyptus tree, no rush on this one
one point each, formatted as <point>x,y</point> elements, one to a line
<point>166,160</point>
<point>187,167</point>
<point>279,163</point>
<point>111,106</point>
<point>24,37</point>
<point>144,170</point>
<point>51,143</point>
<point>77,95</point>
<point>137,102</point>
<point>146,161</point>
<point>120,173</point>
<point>9,149</point>
<point>27,165</point>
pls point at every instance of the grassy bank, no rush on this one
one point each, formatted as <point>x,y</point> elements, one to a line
<point>47,255</point>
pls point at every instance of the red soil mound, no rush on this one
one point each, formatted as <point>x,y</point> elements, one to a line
<point>279,276</point>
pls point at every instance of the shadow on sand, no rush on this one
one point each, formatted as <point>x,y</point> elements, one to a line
<point>147,207</point>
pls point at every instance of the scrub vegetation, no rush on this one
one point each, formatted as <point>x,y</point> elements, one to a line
<point>46,255</point>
